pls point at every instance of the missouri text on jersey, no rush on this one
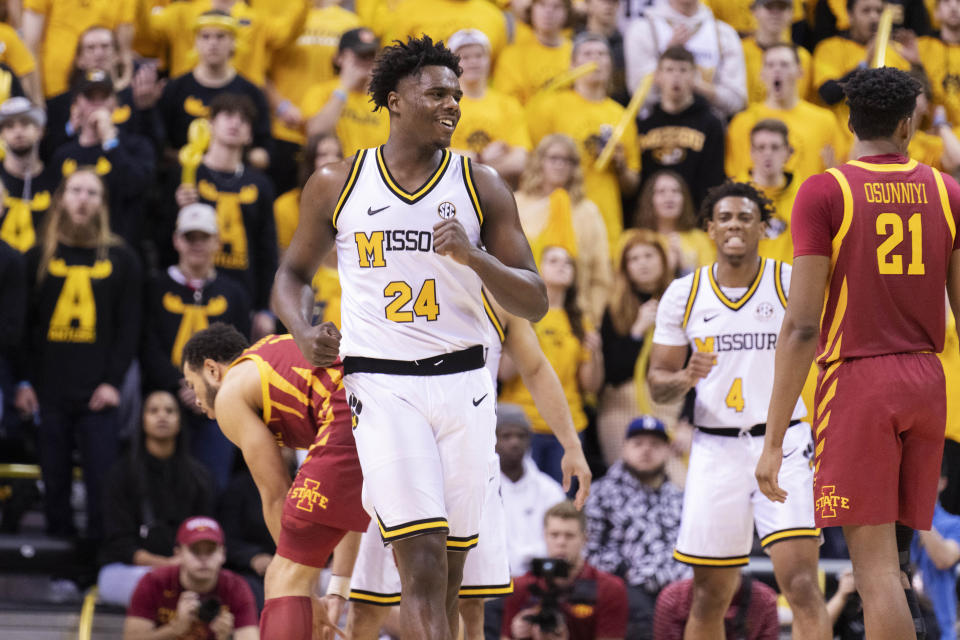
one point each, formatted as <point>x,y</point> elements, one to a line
<point>737,342</point>
<point>371,246</point>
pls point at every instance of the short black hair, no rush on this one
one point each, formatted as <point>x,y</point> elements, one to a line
<point>731,189</point>
<point>879,100</point>
<point>220,342</point>
<point>782,45</point>
<point>234,103</point>
<point>403,59</point>
<point>678,53</point>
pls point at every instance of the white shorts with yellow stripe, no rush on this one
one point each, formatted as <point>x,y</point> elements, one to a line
<point>722,503</point>
<point>486,573</point>
<point>424,444</point>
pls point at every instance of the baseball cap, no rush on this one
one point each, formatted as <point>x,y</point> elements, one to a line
<point>197,529</point>
<point>20,106</point>
<point>197,217</point>
<point>647,424</point>
<point>466,37</point>
<point>360,40</point>
<point>94,80</point>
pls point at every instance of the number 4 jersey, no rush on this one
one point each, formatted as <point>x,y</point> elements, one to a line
<point>889,226</point>
<point>401,300</point>
<point>740,327</point>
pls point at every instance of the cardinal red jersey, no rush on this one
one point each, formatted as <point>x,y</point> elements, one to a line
<point>306,408</point>
<point>888,225</point>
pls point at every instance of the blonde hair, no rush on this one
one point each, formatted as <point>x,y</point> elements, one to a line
<point>103,237</point>
<point>624,303</point>
<point>532,179</point>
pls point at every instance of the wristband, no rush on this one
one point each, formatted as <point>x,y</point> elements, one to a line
<point>339,586</point>
<point>110,144</point>
<point>341,94</point>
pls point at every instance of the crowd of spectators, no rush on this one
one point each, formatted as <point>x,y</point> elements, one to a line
<point>153,155</point>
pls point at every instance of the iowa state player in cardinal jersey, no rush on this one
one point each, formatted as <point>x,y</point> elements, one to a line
<point>875,241</point>
<point>264,397</point>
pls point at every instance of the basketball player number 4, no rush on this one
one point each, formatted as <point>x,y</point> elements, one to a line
<point>891,225</point>
<point>424,306</point>
<point>735,396</point>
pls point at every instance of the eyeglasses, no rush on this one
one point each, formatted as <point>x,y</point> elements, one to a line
<point>559,159</point>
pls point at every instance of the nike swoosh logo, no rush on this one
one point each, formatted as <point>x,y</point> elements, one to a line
<point>371,211</point>
<point>476,403</point>
<point>709,318</point>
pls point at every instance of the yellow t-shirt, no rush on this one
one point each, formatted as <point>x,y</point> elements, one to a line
<point>950,359</point>
<point>589,124</point>
<point>696,250</point>
<point>261,29</point>
<point>926,148</point>
<point>811,129</point>
<point>739,15</point>
<point>65,21</point>
<point>778,243</point>
<point>286,215</point>
<point>326,295</point>
<point>495,116</point>
<point>440,19</point>
<point>308,60</point>
<point>523,69</point>
<point>753,57</point>
<point>359,126</point>
<point>14,53</point>
<point>565,353</point>
<point>941,61</point>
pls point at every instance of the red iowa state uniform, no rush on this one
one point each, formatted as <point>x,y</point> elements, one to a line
<point>306,408</point>
<point>888,225</point>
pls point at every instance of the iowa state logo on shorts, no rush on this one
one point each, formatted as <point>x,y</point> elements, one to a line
<point>828,502</point>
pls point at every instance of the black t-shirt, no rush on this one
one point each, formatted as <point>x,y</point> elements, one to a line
<point>25,205</point>
<point>184,99</point>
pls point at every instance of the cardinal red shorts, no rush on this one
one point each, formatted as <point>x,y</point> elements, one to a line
<point>879,425</point>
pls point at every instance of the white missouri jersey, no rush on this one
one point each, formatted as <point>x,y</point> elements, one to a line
<point>401,300</point>
<point>741,332</point>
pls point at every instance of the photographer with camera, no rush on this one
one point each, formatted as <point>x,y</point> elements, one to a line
<point>563,597</point>
<point>195,599</point>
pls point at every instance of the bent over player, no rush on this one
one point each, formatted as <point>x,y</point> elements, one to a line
<point>268,395</point>
<point>408,219</point>
<point>875,240</point>
<point>729,314</point>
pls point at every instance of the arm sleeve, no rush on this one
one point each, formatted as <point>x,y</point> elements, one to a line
<point>18,56</point>
<point>818,205</point>
<point>669,330</point>
<point>266,248</point>
<point>13,298</point>
<point>611,612</point>
<point>730,78</point>
<point>127,314</point>
<point>143,602</point>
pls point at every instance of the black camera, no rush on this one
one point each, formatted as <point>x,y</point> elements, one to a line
<point>208,609</point>
<point>552,595</point>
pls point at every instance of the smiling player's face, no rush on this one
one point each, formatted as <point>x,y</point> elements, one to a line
<point>428,105</point>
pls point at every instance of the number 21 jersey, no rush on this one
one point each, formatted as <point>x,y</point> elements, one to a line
<point>401,300</point>
<point>889,226</point>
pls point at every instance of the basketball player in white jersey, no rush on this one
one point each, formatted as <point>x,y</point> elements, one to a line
<point>729,315</point>
<point>486,573</point>
<point>407,220</point>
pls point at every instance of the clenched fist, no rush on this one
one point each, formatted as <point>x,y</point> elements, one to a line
<point>320,344</point>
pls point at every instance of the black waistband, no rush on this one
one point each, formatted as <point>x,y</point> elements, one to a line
<point>755,430</point>
<point>467,360</point>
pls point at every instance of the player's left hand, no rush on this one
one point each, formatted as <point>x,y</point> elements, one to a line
<point>574,463</point>
<point>326,613</point>
<point>450,239</point>
<point>768,468</point>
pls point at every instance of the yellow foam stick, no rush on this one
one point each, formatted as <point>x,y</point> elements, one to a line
<point>567,77</point>
<point>628,115</point>
<point>882,38</point>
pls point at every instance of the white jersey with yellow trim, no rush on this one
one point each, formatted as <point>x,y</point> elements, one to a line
<point>741,327</point>
<point>401,300</point>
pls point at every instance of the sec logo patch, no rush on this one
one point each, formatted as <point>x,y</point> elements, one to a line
<point>446,210</point>
<point>764,311</point>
